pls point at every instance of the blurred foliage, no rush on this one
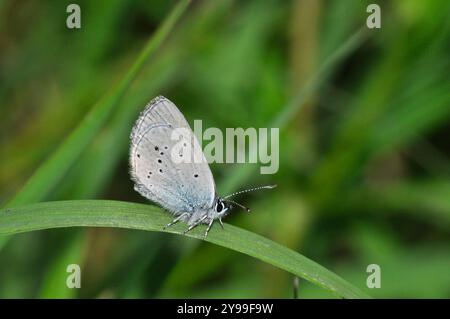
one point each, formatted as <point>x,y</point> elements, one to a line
<point>364,162</point>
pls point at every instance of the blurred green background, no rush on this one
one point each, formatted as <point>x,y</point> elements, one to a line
<point>364,155</point>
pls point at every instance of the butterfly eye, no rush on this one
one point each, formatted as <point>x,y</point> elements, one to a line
<point>219,207</point>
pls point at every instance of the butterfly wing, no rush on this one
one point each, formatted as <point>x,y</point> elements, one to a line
<point>161,160</point>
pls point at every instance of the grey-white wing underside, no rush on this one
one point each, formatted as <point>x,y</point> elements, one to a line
<point>154,159</point>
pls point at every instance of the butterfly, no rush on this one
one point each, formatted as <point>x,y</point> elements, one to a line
<point>169,168</point>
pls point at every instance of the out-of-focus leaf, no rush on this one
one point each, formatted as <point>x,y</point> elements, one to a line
<point>52,170</point>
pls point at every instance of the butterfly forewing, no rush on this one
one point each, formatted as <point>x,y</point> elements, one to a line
<point>167,164</point>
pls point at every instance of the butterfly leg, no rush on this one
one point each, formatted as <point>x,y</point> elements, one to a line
<point>220,221</point>
<point>176,220</point>
<point>209,227</point>
<point>196,224</point>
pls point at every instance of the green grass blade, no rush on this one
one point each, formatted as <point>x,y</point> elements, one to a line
<point>51,172</point>
<point>320,77</point>
<point>411,197</point>
<point>242,173</point>
<point>102,213</point>
<point>54,282</point>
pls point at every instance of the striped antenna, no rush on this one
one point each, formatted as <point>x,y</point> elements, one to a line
<point>250,190</point>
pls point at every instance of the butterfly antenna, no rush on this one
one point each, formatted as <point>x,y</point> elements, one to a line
<point>237,204</point>
<point>250,190</point>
